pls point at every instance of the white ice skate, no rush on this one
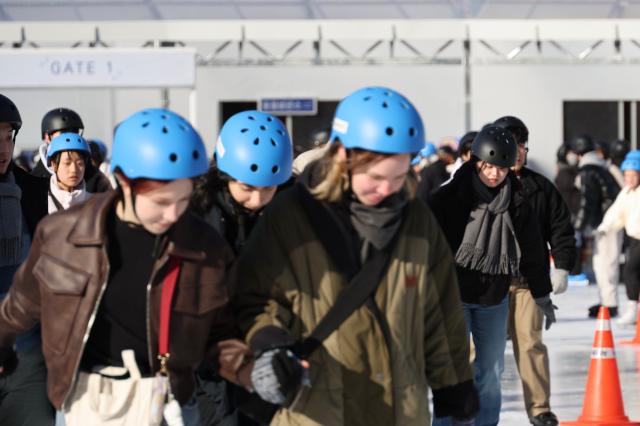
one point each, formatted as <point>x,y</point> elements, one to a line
<point>630,314</point>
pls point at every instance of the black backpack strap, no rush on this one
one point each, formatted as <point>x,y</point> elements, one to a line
<point>55,201</point>
<point>359,289</point>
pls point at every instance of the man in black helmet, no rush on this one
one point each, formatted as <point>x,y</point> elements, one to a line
<point>598,191</point>
<point>61,120</point>
<point>525,318</point>
<point>494,235</point>
<point>23,202</point>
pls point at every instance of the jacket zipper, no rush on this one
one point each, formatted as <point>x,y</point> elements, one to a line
<point>92,319</point>
<point>163,259</point>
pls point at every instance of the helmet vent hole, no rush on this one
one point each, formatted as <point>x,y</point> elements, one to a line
<point>275,169</point>
<point>412,132</point>
<point>387,93</point>
<point>165,130</point>
<point>173,158</point>
<point>254,167</point>
<point>269,119</point>
<point>404,105</point>
<point>367,98</point>
<point>389,131</point>
<point>492,153</point>
<point>145,124</point>
<point>273,142</point>
<point>251,117</point>
<point>182,127</point>
<point>385,105</point>
<point>280,132</point>
<point>256,141</point>
<point>195,154</point>
<point>263,128</point>
<point>244,130</point>
<point>68,140</point>
<point>145,112</point>
<point>64,118</point>
<point>164,117</point>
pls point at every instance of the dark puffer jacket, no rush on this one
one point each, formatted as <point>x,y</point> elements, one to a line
<point>452,205</point>
<point>553,217</point>
<point>598,191</point>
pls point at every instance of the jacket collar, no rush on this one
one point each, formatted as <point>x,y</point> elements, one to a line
<point>179,241</point>
<point>462,180</point>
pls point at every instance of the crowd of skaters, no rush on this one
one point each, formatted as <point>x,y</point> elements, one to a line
<point>158,287</point>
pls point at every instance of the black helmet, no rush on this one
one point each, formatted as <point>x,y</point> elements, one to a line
<point>464,145</point>
<point>496,146</point>
<point>603,146</point>
<point>618,150</point>
<point>60,119</point>
<point>561,153</point>
<point>582,144</point>
<point>9,113</point>
<point>515,126</point>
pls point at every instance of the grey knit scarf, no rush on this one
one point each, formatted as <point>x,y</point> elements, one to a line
<point>10,221</point>
<point>377,225</point>
<point>489,244</point>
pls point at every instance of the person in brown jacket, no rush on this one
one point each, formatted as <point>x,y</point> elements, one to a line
<point>97,272</point>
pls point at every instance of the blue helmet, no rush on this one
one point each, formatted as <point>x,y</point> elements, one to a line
<point>378,119</point>
<point>254,148</point>
<point>635,154</point>
<point>67,142</point>
<point>426,152</point>
<point>632,163</point>
<point>158,144</point>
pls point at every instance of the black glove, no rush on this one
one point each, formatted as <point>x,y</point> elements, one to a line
<point>459,401</point>
<point>277,374</point>
<point>8,361</point>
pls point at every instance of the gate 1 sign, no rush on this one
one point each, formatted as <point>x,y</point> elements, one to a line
<point>289,106</point>
<point>98,68</point>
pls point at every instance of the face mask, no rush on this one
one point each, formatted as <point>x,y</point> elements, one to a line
<point>572,159</point>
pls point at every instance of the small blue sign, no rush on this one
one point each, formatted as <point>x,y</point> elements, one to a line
<point>289,106</point>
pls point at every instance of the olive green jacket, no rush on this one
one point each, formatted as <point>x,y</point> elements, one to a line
<point>286,279</point>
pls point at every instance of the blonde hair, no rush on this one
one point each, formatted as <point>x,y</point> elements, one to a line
<point>334,173</point>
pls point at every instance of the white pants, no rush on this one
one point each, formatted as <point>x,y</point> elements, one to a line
<point>606,266</point>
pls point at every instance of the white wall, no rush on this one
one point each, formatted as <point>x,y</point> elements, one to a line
<point>535,93</point>
<point>436,91</point>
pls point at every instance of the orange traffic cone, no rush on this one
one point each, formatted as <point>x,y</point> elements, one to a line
<point>636,338</point>
<point>603,404</point>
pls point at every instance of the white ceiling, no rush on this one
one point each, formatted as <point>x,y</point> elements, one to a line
<point>91,10</point>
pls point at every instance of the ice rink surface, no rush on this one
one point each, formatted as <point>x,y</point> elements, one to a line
<point>569,342</point>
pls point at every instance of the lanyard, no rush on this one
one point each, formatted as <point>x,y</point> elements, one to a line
<point>168,287</point>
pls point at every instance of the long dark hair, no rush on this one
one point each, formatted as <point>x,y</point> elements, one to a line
<point>206,187</point>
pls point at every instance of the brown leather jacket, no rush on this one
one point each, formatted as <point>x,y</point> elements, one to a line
<point>61,283</point>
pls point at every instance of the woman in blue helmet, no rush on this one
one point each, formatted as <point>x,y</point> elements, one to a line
<point>129,287</point>
<point>352,222</point>
<point>68,155</point>
<point>625,214</point>
<point>253,157</point>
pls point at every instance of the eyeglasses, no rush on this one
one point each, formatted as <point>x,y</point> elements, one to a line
<point>7,135</point>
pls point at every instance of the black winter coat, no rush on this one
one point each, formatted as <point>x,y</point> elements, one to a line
<point>452,205</point>
<point>566,183</point>
<point>553,217</point>
<point>34,196</point>
<point>598,191</point>
<point>94,179</point>
<point>431,177</point>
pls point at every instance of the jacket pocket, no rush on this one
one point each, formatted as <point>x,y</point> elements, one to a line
<point>200,291</point>
<point>62,287</point>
